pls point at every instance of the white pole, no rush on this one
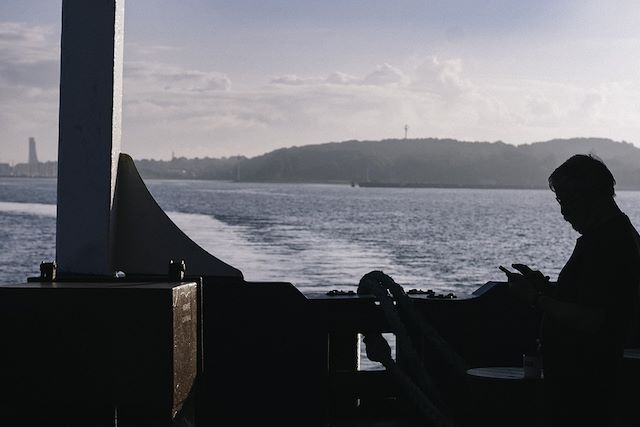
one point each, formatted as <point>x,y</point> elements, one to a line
<point>89,132</point>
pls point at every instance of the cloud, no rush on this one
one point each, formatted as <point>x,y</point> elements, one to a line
<point>294,80</point>
<point>137,50</point>
<point>27,44</point>
<point>166,77</point>
<point>436,98</point>
<point>29,70</point>
<point>336,78</point>
<point>442,77</point>
<point>28,56</point>
<point>168,93</point>
<point>290,110</point>
<point>539,110</point>
<point>539,106</point>
<point>591,103</point>
<point>386,74</point>
<point>383,75</point>
<point>164,101</point>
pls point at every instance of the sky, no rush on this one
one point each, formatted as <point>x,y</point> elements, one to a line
<point>243,77</point>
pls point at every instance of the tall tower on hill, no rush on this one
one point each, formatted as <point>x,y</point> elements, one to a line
<point>33,157</point>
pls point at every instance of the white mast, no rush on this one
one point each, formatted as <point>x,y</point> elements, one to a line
<point>106,224</point>
<point>89,132</point>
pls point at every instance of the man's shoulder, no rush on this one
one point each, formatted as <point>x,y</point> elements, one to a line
<point>615,244</point>
<point>619,232</point>
<point>627,236</point>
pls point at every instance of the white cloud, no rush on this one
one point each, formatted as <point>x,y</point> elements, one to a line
<point>539,110</point>
<point>443,77</point>
<point>591,103</point>
<point>436,98</point>
<point>337,78</point>
<point>383,75</point>
<point>540,106</point>
<point>28,56</point>
<point>294,80</point>
<point>27,44</point>
<point>386,74</point>
<point>156,77</point>
<point>29,69</point>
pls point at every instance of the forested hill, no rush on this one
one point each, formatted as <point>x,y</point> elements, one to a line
<point>432,162</point>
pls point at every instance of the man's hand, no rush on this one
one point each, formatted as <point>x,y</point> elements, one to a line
<point>527,285</point>
<point>522,288</point>
<point>527,272</point>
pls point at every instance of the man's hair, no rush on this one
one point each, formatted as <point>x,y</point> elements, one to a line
<point>586,174</point>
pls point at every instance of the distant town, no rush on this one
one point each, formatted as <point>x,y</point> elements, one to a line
<point>426,162</point>
<point>32,168</point>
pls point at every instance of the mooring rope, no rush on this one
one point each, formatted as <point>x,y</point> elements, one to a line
<point>378,350</point>
<point>420,388</point>
<point>407,308</point>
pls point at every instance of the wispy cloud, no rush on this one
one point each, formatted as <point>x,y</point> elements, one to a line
<point>22,43</point>
<point>156,78</point>
<point>29,69</point>
<point>442,77</point>
<point>383,75</point>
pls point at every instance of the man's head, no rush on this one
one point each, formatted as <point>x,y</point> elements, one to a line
<point>583,185</point>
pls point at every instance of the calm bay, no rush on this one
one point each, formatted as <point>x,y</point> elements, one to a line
<point>321,237</point>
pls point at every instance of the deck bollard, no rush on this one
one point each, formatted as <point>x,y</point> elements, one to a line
<point>177,270</point>
<point>48,271</point>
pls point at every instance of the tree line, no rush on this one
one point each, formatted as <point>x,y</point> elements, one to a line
<point>424,162</point>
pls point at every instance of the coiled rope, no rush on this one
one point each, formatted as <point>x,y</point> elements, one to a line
<point>418,387</point>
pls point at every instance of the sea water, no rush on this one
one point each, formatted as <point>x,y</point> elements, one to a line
<point>322,237</point>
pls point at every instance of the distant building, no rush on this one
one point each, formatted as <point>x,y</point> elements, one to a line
<point>22,169</point>
<point>49,169</point>
<point>33,156</point>
<point>33,167</point>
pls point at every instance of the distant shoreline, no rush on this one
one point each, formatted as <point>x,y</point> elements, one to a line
<point>354,184</point>
<point>367,184</point>
<point>447,186</point>
<point>385,185</point>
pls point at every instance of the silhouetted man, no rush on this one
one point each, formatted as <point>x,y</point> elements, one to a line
<point>587,316</point>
